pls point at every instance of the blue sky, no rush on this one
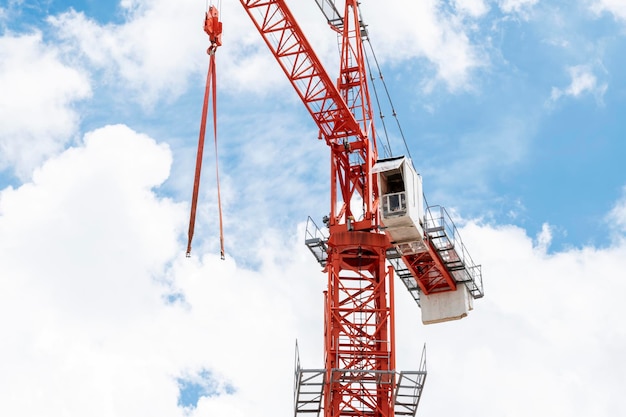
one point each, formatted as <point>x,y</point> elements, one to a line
<point>512,112</point>
<point>535,151</point>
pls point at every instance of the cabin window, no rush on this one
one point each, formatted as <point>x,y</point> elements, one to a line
<point>394,204</point>
<point>394,195</point>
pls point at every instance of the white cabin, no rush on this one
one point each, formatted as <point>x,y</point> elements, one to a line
<point>401,202</point>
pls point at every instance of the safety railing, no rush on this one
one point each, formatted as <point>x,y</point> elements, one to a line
<point>444,235</point>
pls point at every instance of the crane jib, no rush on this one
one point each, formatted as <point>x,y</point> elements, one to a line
<point>298,60</point>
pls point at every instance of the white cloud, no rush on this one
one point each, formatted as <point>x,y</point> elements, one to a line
<point>617,216</point>
<point>544,237</point>
<point>615,7</point>
<point>516,6</point>
<point>520,349</point>
<point>80,247</point>
<point>473,8</point>
<point>88,252</point>
<point>37,105</point>
<point>153,53</point>
<point>161,45</point>
<point>583,81</point>
<point>422,29</point>
<point>91,198</point>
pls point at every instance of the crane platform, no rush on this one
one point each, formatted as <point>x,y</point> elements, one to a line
<point>445,238</point>
<point>406,386</point>
<point>316,241</point>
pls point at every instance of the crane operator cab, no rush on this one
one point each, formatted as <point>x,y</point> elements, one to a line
<point>404,220</point>
<point>401,203</point>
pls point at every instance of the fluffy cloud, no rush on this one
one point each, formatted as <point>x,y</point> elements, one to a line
<point>106,316</point>
<point>544,341</point>
<point>158,63</point>
<point>37,105</point>
<point>617,215</point>
<point>83,209</point>
<point>420,30</point>
<point>583,80</point>
<point>473,8</point>
<point>516,6</point>
<point>153,52</point>
<point>615,7</point>
<point>423,29</point>
<point>81,246</point>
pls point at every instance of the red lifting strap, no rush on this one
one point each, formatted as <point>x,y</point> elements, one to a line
<point>213,29</point>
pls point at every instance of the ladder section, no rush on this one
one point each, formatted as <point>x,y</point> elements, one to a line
<point>308,391</point>
<point>409,389</point>
<point>335,18</point>
<point>332,14</point>
<point>445,237</point>
<point>308,386</point>
<point>316,241</point>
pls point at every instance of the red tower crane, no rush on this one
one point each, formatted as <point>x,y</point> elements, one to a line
<point>378,227</point>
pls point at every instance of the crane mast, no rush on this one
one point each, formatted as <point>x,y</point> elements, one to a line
<point>367,228</point>
<point>359,353</point>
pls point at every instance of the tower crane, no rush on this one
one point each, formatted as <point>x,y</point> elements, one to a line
<point>378,227</point>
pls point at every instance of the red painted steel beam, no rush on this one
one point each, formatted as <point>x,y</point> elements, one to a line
<point>342,112</point>
<point>298,60</point>
<point>431,274</point>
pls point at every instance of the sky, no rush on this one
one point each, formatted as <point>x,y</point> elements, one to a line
<point>511,110</point>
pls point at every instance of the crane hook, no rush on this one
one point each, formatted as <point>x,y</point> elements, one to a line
<point>213,28</point>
